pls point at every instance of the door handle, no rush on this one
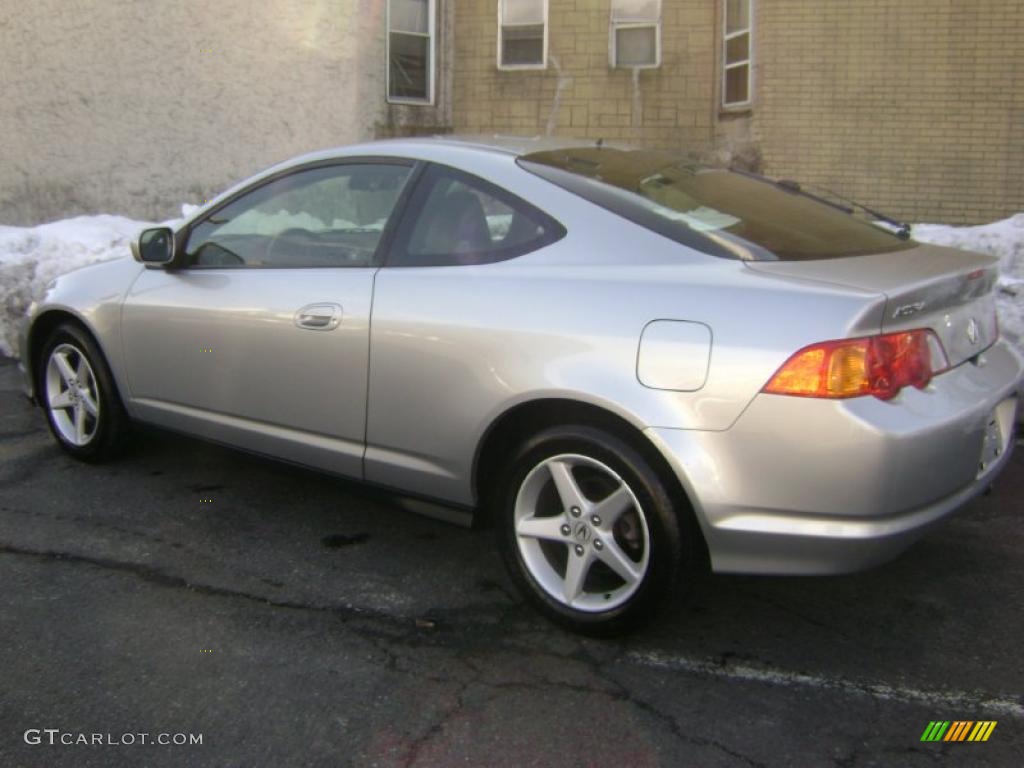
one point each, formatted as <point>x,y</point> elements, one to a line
<point>319,317</point>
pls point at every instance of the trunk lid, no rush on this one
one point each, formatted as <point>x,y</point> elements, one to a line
<point>947,290</point>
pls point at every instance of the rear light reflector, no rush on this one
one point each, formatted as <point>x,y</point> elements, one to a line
<point>873,365</point>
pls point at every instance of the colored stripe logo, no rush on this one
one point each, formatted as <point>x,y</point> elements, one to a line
<point>958,730</point>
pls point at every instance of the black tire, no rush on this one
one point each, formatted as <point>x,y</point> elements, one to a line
<point>671,559</point>
<point>110,427</point>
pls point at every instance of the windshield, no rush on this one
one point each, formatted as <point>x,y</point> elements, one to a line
<point>721,212</point>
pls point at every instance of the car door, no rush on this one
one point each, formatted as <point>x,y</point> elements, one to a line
<point>259,334</point>
<point>443,357</point>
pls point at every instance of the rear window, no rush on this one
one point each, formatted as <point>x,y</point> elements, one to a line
<point>720,212</point>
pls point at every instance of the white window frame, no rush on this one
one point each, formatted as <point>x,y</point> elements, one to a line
<point>544,62</point>
<point>431,56</point>
<point>614,25</point>
<point>748,62</point>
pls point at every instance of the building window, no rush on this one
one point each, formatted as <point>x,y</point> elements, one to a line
<point>522,34</point>
<point>635,39</point>
<point>736,53</point>
<point>411,26</point>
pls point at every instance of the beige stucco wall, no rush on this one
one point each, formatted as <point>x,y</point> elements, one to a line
<point>133,107</point>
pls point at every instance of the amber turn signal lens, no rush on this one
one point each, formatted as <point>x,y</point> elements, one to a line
<point>873,365</point>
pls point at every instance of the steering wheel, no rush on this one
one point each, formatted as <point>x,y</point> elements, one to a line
<point>214,255</point>
<point>291,235</point>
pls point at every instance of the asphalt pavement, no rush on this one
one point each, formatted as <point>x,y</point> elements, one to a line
<point>288,618</point>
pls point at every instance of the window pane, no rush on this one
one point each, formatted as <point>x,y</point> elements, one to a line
<point>462,222</point>
<point>409,67</point>
<point>324,217</point>
<point>669,194</point>
<point>410,16</point>
<point>737,84</point>
<point>522,45</point>
<point>635,46</point>
<point>636,10</point>
<point>522,12</point>
<point>738,48</point>
<point>737,15</point>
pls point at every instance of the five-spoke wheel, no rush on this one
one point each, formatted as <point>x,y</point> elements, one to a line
<point>77,390</point>
<point>581,532</point>
<point>590,532</point>
<point>71,394</point>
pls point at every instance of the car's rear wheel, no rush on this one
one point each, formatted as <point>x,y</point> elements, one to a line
<point>78,393</point>
<point>588,531</point>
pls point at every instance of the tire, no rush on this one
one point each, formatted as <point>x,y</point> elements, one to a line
<point>563,540</point>
<point>74,381</point>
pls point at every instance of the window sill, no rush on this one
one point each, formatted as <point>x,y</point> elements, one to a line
<point>629,67</point>
<point>521,67</point>
<point>412,102</point>
<point>740,110</point>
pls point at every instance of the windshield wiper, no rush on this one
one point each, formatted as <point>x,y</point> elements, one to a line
<point>794,186</point>
<point>902,228</point>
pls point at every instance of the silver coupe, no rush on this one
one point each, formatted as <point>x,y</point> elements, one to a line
<point>633,366</point>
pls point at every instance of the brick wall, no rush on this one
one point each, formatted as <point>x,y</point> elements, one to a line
<point>578,94</point>
<point>916,106</point>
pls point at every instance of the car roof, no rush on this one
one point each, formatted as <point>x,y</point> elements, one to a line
<point>438,148</point>
<point>513,146</point>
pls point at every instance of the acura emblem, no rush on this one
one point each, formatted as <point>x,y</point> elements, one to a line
<point>972,331</point>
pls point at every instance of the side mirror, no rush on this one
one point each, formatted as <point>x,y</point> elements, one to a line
<point>154,246</point>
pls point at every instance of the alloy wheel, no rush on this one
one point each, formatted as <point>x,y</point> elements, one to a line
<point>72,396</point>
<point>581,533</point>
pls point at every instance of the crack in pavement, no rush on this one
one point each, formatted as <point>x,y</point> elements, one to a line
<point>162,578</point>
<point>418,745</point>
<point>614,691</point>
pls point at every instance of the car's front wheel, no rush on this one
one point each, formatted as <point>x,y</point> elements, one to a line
<point>588,530</point>
<point>78,393</point>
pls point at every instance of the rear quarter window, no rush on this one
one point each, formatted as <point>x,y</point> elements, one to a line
<point>455,218</point>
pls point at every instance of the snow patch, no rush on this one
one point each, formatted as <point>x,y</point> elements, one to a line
<point>30,257</point>
<point>1004,240</point>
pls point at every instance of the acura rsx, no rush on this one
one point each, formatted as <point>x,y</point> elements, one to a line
<point>633,366</point>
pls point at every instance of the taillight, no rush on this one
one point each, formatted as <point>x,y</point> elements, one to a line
<point>873,365</point>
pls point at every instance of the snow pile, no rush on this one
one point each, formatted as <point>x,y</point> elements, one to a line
<point>1004,240</point>
<point>30,257</point>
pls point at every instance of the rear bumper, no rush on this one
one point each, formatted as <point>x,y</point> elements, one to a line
<point>800,486</point>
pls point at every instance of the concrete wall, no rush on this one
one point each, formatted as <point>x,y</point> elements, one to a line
<point>134,106</point>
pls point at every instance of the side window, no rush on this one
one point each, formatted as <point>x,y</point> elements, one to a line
<point>460,219</point>
<point>332,216</point>
<point>736,53</point>
<point>522,34</point>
